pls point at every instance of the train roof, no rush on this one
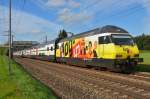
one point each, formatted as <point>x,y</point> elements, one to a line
<point>104,29</point>
<point>43,44</point>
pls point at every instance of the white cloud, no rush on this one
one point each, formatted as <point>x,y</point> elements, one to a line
<point>26,26</point>
<point>69,18</point>
<point>50,4</point>
<point>90,10</point>
<point>73,14</point>
<point>55,3</point>
<point>73,4</point>
<point>28,23</point>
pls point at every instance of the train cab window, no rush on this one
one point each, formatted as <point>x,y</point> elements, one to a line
<point>101,40</point>
<point>104,40</point>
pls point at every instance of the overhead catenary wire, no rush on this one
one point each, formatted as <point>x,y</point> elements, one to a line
<point>85,8</point>
<point>129,12</point>
<point>94,4</point>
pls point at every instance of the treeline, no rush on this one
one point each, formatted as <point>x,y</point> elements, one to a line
<point>143,41</point>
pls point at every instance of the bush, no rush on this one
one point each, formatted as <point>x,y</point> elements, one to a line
<point>143,42</point>
<point>147,47</point>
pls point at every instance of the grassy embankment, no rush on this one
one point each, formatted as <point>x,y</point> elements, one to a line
<point>144,66</point>
<point>20,85</point>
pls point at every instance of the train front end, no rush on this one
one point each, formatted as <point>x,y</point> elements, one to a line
<point>126,52</point>
<point>118,49</point>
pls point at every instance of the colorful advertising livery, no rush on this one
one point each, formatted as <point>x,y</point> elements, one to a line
<point>108,47</point>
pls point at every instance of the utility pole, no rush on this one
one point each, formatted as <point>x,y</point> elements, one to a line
<point>46,39</point>
<point>12,45</point>
<point>10,37</point>
<point>12,41</point>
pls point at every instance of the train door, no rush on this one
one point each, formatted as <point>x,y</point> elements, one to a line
<point>105,47</point>
<point>108,47</point>
<point>100,47</point>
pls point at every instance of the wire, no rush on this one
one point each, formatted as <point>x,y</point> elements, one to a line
<point>130,11</point>
<point>127,13</point>
<point>94,4</point>
<point>85,8</point>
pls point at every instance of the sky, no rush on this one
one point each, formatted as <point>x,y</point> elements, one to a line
<point>34,19</point>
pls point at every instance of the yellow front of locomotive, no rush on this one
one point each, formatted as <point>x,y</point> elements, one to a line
<point>125,47</point>
<point>120,50</point>
<point>126,51</point>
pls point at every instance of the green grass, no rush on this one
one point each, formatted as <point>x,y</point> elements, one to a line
<point>144,66</point>
<point>20,85</point>
<point>3,50</point>
<point>146,56</point>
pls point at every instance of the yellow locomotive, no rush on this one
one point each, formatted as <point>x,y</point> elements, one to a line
<point>108,47</point>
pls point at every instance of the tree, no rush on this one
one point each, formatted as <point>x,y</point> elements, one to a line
<point>62,34</point>
<point>143,42</point>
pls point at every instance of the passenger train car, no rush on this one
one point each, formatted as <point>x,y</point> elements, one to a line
<point>108,47</point>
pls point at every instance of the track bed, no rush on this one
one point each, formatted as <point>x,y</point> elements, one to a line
<point>71,82</point>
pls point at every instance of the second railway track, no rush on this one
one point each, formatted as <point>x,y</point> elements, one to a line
<point>88,84</point>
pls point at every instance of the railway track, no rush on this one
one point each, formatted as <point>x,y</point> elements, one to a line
<point>88,84</point>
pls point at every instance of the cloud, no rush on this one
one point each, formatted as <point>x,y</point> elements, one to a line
<point>23,23</point>
<point>74,14</point>
<point>146,5</point>
<point>26,26</point>
<point>67,17</point>
<point>74,4</point>
<point>55,3</point>
<point>78,13</point>
<point>50,4</point>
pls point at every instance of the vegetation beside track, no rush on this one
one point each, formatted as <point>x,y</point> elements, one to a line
<point>144,66</point>
<point>20,85</point>
<point>3,50</point>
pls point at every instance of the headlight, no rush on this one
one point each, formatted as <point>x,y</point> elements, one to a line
<point>118,56</point>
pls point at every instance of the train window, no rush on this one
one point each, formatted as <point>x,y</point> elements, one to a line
<point>104,40</point>
<point>107,40</point>
<point>47,48</point>
<point>51,48</point>
<point>101,40</point>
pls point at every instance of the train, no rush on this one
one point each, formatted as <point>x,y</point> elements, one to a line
<point>109,47</point>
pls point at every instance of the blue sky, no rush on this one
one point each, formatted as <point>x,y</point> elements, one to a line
<point>34,19</point>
